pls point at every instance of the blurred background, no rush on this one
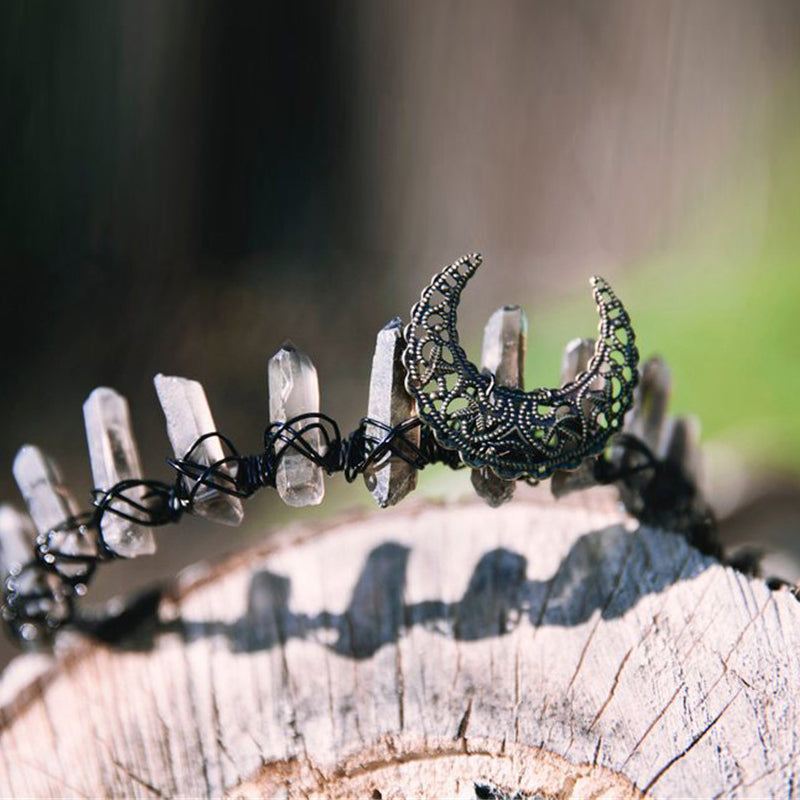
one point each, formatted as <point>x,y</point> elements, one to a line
<point>185,184</point>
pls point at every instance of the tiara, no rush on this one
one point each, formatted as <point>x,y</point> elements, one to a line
<point>428,403</point>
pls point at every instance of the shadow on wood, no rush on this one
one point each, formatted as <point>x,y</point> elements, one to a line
<point>426,651</point>
<point>497,596</point>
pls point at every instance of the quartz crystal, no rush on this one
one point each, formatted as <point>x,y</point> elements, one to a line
<point>188,418</point>
<point>50,504</point>
<point>646,420</point>
<point>294,390</point>
<point>681,446</point>
<point>115,458</point>
<point>391,478</point>
<point>577,355</point>
<point>17,540</point>
<point>503,353</point>
<point>504,340</point>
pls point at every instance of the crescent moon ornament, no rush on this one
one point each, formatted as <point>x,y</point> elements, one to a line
<point>516,434</point>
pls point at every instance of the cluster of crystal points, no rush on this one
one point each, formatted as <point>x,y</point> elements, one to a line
<point>114,457</point>
<point>293,392</point>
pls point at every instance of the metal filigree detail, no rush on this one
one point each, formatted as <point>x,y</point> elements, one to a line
<point>516,434</point>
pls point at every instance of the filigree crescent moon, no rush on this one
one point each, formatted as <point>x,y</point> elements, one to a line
<point>516,434</point>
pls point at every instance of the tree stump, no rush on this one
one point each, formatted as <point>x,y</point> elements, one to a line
<point>537,650</point>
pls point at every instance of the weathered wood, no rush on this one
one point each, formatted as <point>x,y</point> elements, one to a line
<point>538,648</point>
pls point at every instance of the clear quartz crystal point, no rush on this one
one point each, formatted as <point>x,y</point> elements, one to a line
<point>114,457</point>
<point>504,340</point>
<point>294,390</point>
<point>17,540</point>
<point>188,417</point>
<point>577,355</point>
<point>648,422</point>
<point>646,419</point>
<point>391,478</point>
<point>681,446</point>
<point>50,504</point>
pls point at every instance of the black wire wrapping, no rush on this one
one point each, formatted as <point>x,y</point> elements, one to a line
<point>659,492</point>
<point>39,597</point>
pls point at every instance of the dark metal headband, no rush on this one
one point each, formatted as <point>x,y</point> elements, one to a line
<point>428,404</point>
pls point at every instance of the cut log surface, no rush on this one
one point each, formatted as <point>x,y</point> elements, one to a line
<point>540,649</point>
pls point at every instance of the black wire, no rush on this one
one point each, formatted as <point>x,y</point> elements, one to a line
<point>56,576</point>
<point>659,492</point>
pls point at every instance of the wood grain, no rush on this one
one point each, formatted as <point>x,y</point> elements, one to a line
<point>538,648</point>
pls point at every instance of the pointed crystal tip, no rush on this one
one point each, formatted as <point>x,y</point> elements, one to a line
<point>504,342</point>
<point>50,504</point>
<point>395,323</point>
<point>492,490</point>
<point>577,355</point>
<point>39,481</point>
